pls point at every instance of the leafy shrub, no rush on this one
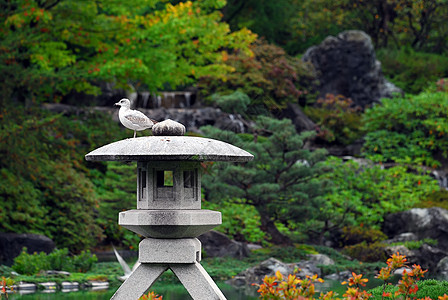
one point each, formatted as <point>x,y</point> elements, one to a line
<point>364,194</point>
<point>270,78</point>
<point>414,245</point>
<point>239,221</point>
<point>410,70</point>
<point>338,120</point>
<point>30,264</point>
<point>434,289</point>
<point>366,252</point>
<point>364,244</point>
<point>412,130</point>
<point>45,184</point>
<point>353,235</point>
<point>236,102</point>
<point>291,287</point>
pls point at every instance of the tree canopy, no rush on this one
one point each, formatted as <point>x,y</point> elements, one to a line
<point>50,48</point>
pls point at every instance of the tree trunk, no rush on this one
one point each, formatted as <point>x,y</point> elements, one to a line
<point>268,226</point>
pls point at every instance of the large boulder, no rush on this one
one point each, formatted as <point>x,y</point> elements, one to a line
<point>422,222</point>
<point>270,266</point>
<point>428,257</point>
<point>217,244</point>
<point>11,245</point>
<point>347,65</point>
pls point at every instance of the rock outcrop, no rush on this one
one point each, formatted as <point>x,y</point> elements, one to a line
<point>419,224</point>
<point>217,244</point>
<point>270,266</point>
<point>11,245</point>
<point>347,65</point>
<point>422,222</point>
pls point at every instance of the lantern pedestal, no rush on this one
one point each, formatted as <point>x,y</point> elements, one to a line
<point>182,256</point>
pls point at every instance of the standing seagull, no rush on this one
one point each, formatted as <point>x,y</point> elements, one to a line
<point>132,119</point>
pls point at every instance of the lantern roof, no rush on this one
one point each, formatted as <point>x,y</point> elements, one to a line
<point>169,148</point>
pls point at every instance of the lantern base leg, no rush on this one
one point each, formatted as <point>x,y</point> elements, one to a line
<point>197,281</point>
<point>140,280</point>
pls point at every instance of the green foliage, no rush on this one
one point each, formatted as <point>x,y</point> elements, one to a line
<point>414,245</point>
<point>339,122</point>
<point>342,263</point>
<point>365,194</point>
<point>30,264</point>
<point>269,19</point>
<point>115,190</point>
<point>410,70</point>
<point>419,24</point>
<point>426,288</point>
<point>236,102</point>
<point>411,130</point>
<point>439,199</point>
<point>280,182</point>
<point>239,221</point>
<point>353,235</point>
<point>52,48</point>
<point>46,186</point>
<point>367,252</point>
<point>269,77</point>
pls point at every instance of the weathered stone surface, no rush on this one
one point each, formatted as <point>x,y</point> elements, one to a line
<point>403,237</point>
<point>163,148</point>
<point>169,128</point>
<point>442,269</point>
<point>426,256</point>
<point>423,222</point>
<point>347,65</point>
<point>169,223</point>
<point>11,245</point>
<point>298,117</point>
<point>272,265</point>
<point>176,251</point>
<point>320,259</point>
<point>217,244</point>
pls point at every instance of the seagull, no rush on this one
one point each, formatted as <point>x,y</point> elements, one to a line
<point>126,269</point>
<point>133,119</point>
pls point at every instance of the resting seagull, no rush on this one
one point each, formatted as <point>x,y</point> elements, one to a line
<point>132,119</point>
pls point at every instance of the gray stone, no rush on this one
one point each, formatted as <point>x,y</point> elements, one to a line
<point>184,192</point>
<point>11,245</point>
<point>423,222</point>
<point>169,128</point>
<point>426,256</point>
<point>307,268</point>
<point>403,237</point>
<point>217,244</point>
<point>169,148</point>
<point>169,223</point>
<point>320,259</point>
<point>167,251</point>
<point>346,65</point>
<point>402,250</point>
<point>197,282</point>
<point>400,271</point>
<point>341,276</point>
<point>298,118</point>
<point>442,269</point>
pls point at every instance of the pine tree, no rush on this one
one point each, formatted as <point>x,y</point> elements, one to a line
<point>281,182</point>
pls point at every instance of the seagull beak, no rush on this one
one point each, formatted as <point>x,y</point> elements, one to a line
<point>117,103</point>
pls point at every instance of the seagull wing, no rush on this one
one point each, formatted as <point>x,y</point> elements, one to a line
<point>138,118</point>
<point>127,271</point>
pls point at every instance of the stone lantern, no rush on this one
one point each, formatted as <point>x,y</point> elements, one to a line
<point>169,213</point>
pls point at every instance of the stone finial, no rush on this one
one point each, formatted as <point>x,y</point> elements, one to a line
<point>168,127</point>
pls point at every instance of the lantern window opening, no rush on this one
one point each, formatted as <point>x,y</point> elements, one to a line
<point>165,178</point>
<point>189,177</point>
